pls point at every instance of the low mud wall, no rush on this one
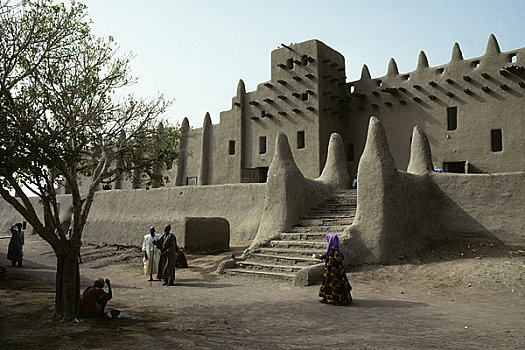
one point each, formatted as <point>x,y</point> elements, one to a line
<point>124,216</point>
<point>495,201</point>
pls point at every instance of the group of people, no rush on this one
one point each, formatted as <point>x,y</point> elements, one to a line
<point>162,255</point>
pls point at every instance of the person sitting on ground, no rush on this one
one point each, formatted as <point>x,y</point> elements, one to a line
<point>181,262</point>
<point>94,299</point>
<point>335,285</point>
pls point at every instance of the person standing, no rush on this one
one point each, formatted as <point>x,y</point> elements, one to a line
<point>162,259</point>
<point>169,250</point>
<point>151,253</point>
<point>15,252</point>
<point>335,285</point>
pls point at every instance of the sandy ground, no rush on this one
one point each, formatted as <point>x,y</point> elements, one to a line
<point>457,295</point>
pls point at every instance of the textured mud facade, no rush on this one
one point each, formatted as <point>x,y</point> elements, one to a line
<point>466,116</point>
<point>470,109</point>
<point>399,212</point>
<point>124,216</point>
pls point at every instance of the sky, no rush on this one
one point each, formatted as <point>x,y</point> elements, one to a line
<point>195,51</point>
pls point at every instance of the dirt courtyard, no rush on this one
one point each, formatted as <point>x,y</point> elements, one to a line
<point>457,295</point>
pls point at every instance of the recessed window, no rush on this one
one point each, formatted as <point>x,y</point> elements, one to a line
<point>496,141</point>
<point>300,139</point>
<point>513,58</point>
<point>289,63</point>
<point>454,167</point>
<point>191,181</point>
<point>475,64</point>
<point>304,60</point>
<point>304,96</point>
<point>263,114</point>
<point>440,70</point>
<point>452,118</point>
<point>262,144</point>
<point>351,89</point>
<point>350,152</point>
<point>231,147</point>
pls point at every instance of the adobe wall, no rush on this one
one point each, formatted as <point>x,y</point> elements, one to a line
<point>124,216</point>
<point>495,201</point>
<point>486,95</point>
<point>400,212</point>
<point>275,106</point>
<point>8,217</point>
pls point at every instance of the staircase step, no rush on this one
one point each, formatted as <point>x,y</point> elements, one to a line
<point>305,244</point>
<point>331,206</point>
<point>331,215</point>
<point>260,266</point>
<point>335,213</point>
<point>324,229</point>
<point>304,236</point>
<point>295,252</point>
<point>325,222</point>
<point>296,260</point>
<point>279,275</point>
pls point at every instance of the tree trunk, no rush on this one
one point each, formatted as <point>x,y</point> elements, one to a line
<point>67,285</point>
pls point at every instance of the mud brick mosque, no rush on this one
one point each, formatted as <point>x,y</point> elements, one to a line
<point>470,109</point>
<point>275,173</point>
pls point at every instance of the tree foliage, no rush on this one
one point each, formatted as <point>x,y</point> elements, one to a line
<point>63,125</point>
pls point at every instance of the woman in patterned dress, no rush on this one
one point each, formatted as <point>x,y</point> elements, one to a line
<point>335,285</point>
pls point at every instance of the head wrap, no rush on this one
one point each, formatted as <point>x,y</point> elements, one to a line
<point>333,244</point>
<point>99,281</point>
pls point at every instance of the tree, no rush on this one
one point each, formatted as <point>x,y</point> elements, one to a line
<point>61,124</point>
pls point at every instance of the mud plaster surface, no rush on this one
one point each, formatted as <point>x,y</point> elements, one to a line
<point>442,298</point>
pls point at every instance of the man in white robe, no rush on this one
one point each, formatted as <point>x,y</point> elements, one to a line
<point>151,253</point>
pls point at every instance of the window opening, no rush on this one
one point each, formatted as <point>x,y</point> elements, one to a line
<point>262,144</point>
<point>496,140</point>
<point>454,167</point>
<point>304,96</point>
<point>513,58</point>
<point>191,181</point>
<point>304,60</point>
<point>452,118</point>
<point>289,63</point>
<point>475,64</point>
<point>300,139</point>
<point>231,147</point>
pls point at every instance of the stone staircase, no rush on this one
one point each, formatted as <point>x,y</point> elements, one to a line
<point>282,258</point>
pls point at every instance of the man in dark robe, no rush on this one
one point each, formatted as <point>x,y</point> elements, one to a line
<point>14,251</point>
<point>169,250</point>
<point>159,243</point>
